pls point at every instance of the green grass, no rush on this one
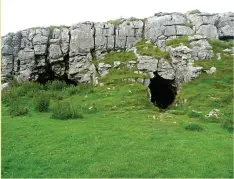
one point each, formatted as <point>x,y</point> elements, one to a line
<point>121,134</point>
<point>111,57</point>
<point>219,46</point>
<point>178,41</point>
<point>149,49</point>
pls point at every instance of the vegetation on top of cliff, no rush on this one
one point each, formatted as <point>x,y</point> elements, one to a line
<point>182,40</point>
<point>119,21</point>
<point>195,11</point>
<point>52,27</point>
<point>148,49</point>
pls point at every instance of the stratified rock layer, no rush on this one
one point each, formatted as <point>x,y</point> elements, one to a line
<point>39,54</point>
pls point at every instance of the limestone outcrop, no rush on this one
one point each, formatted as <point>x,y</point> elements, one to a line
<point>40,54</point>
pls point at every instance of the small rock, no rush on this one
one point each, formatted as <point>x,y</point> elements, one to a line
<point>116,63</point>
<point>211,70</point>
<point>227,50</point>
<point>101,84</point>
<point>218,56</point>
<point>4,86</point>
<point>214,113</point>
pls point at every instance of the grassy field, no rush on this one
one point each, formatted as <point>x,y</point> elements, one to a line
<point>118,132</point>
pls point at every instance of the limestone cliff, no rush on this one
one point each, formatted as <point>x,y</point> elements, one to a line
<point>41,54</point>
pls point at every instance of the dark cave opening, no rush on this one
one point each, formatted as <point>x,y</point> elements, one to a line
<point>49,74</point>
<point>226,38</point>
<point>162,91</point>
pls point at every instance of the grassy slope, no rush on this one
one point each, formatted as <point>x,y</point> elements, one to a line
<point>127,136</point>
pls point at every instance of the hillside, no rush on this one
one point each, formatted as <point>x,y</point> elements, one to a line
<point>156,106</point>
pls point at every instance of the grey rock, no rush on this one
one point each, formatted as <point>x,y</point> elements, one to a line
<point>201,49</point>
<point>82,39</point>
<point>211,70</point>
<point>128,34</point>
<point>103,69</point>
<point>210,31</point>
<point>104,36</point>
<point>4,86</point>
<point>165,70</point>
<point>183,30</point>
<point>7,67</point>
<point>226,25</point>
<point>147,63</point>
<point>117,63</point>
<point>184,71</point>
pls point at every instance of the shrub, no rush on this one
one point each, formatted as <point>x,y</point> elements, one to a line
<point>65,110</point>
<point>149,49</point>
<point>13,83</point>
<point>195,11</point>
<point>178,41</point>
<point>28,88</point>
<point>117,22</point>
<point>193,127</point>
<point>119,56</point>
<point>55,85</point>
<point>17,109</point>
<point>10,96</point>
<point>193,114</point>
<point>42,102</point>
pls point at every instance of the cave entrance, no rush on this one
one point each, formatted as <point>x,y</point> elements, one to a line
<point>226,38</point>
<point>162,91</point>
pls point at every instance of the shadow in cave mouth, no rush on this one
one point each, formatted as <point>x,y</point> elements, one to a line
<point>162,92</point>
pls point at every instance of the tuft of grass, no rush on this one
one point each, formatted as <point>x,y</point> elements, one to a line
<point>135,19</point>
<point>42,102</point>
<point>55,85</point>
<point>193,127</point>
<point>52,27</point>
<point>64,110</point>
<point>178,41</point>
<point>194,114</point>
<point>195,11</point>
<point>121,75</point>
<point>219,45</point>
<point>117,22</point>
<point>118,56</point>
<point>149,49</point>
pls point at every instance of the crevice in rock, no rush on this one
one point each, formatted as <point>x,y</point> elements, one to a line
<point>18,66</point>
<point>66,63</point>
<point>92,50</point>
<point>106,42</point>
<point>162,91</point>
<point>114,35</point>
<point>125,43</point>
<point>49,73</point>
<point>143,30</point>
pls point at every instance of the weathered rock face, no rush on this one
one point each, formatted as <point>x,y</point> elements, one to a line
<point>39,54</point>
<point>165,25</point>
